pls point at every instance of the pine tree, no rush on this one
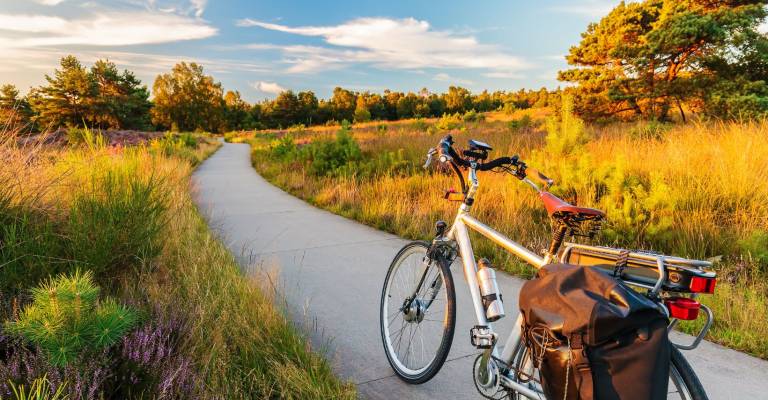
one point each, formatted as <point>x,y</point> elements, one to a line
<point>67,319</point>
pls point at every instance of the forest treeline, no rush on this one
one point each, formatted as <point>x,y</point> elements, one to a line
<point>651,59</point>
<point>187,99</point>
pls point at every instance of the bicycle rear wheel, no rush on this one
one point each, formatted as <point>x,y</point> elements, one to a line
<point>418,313</point>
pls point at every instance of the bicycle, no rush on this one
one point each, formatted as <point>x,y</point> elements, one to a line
<point>418,309</point>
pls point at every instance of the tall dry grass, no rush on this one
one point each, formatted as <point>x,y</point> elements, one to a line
<point>691,190</point>
<point>126,213</point>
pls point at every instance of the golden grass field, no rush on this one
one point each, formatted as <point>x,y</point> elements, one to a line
<point>693,190</point>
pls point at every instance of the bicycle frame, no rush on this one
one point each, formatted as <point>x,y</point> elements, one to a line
<point>459,233</point>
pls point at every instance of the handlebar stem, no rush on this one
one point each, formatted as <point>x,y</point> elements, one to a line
<point>473,185</point>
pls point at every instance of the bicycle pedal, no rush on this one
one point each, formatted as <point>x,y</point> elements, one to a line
<point>482,337</point>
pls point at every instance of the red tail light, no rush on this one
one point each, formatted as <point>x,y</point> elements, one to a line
<point>702,285</point>
<point>683,308</point>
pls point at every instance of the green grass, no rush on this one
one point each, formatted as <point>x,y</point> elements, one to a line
<point>688,190</point>
<point>126,215</point>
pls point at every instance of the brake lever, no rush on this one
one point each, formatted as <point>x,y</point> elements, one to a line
<point>430,155</point>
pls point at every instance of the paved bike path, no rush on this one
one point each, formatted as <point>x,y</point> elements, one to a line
<point>331,270</point>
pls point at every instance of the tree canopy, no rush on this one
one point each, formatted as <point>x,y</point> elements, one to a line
<point>100,97</point>
<point>648,58</point>
<point>186,99</point>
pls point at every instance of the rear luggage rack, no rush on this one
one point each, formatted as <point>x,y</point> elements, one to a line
<point>653,271</point>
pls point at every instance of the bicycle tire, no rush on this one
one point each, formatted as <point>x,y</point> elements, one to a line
<point>691,381</point>
<point>449,323</point>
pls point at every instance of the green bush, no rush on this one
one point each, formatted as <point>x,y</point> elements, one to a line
<point>472,116</point>
<point>330,157</point>
<point>284,147</point>
<point>449,122</point>
<point>522,123</point>
<point>67,320</point>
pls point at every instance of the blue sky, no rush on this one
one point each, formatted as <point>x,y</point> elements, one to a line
<point>260,48</point>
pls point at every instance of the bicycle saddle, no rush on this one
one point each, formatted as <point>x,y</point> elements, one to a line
<point>556,205</point>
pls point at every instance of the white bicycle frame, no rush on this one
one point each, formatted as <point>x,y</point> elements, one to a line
<point>459,233</point>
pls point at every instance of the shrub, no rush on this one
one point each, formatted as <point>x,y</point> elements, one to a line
<point>522,123</point>
<point>283,148</point>
<point>420,125</point>
<point>362,114</point>
<point>472,116</point>
<point>449,122</point>
<point>66,318</point>
<point>330,157</point>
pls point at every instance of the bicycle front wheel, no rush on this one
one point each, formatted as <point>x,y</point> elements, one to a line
<point>418,313</point>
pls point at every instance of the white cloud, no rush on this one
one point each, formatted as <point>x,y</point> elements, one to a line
<point>763,28</point>
<point>447,78</point>
<point>49,2</point>
<point>387,43</point>
<point>269,87</point>
<point>198,6</point>
<point>503,75</point>
<point>589,8</point>
<point>105,29</point>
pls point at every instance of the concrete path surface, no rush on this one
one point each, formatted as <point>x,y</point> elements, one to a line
<point>332,269</point>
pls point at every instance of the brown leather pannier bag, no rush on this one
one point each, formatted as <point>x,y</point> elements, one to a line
<point>592,337</point>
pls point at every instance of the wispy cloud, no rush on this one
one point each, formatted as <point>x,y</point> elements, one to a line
<point>105,29</point>
<point>36,40</point>
<point>447,78</point>
<point>503,75</point>
<point>589,8</point>
<point>269,87</point>
<point>49,2</point>
<point>199,7</point>
<point>389,44</point>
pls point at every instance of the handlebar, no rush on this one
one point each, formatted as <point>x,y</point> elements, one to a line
<point>448,155</point>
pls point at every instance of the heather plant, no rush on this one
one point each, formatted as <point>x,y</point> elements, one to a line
<point>150,362</point>
<point>67,319</point>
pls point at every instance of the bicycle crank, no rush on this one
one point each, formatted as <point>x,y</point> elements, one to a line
<point>485,374</point>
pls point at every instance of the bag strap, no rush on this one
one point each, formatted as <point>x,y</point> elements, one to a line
<point>621,263</point>
<point>582,370</point>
